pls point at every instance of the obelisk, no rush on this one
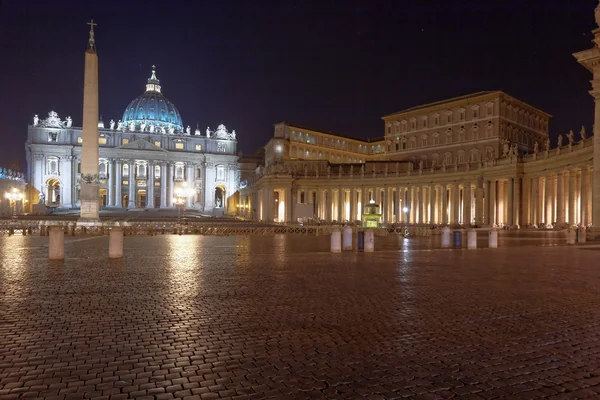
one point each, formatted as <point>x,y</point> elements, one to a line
<point>89,195</point>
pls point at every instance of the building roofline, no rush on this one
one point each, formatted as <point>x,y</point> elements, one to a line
<point>379,138</point>
<point>469,96</point>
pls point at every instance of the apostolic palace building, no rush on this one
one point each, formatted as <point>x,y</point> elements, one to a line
<point>480,159</point>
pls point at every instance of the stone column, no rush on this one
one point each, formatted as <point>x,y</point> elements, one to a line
<point>560,198</point>
<point>502,205</point>
<point>409,204</point>
<point>511,204</point>
<point>455,204</point>
<point>517,201</point>
<point>67,186</point>
<point>493,203</point>
<point>444,197</point>
<point>549,214</point>
<point>479,191</point>
<point>534,200</point>
<point>189,176</point>
<point>486,204</point>
<point>572,188</point>
<point>340,213</point>
<point>163,184</point>
<point>329,205</point>
<point>583,191</point>
<point>467,201</point>
<point>289,205</point>
<point>171,183</point>
<point>111,183</point>
<point>431,219</point>
<point>131,202</point>
<point>150,186</point>
<point>118,183</point>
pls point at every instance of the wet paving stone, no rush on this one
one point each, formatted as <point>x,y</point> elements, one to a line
<point>279,317</point>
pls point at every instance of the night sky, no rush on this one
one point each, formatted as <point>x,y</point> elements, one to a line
<point>334,65</point>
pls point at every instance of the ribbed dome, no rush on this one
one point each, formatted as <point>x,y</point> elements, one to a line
<point>152,108</point>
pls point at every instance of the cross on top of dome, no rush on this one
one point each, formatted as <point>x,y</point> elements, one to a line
<point>153,82</point>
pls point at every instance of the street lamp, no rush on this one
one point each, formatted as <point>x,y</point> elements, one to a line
<point>181,194</point>
<point>405,209</point>
<point>13,196</point>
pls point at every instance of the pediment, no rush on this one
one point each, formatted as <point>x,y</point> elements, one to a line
<point>141,144</point>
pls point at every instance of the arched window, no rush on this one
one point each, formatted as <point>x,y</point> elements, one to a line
<point>448,158</point>
<point>461,157</point>
<point>52,165</point>
<point>157,171</point>
<point>125,170</point>
<point>474,155</point>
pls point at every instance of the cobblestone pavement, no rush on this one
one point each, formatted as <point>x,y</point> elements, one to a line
<point>278,317</point>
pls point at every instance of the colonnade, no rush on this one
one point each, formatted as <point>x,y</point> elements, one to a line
<point>562,196</point>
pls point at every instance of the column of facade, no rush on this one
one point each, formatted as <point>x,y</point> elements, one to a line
<point>455,204</point>
<point>409,206</point>
<point>572,194</point>
<point>360,203</point>
<point>534,201</point>
<point>517,201</point>
<point>583,190</point>
<point>467,203</point>
<point>118,183</point>
<point>479,196</point>
<point>493,203</point>
<point>590,194</point>
<point>486,203</point>
<point>150,191</point>
<point>289,205</point>
<point>560,198</point>
<point>67,186</point>
<point>444,201</point>
<point>131,195</point>
<point>189,177</point>
<point>549,210</point>
<point>500,203</point>
<point>510,220</point>
<point>171,183</point>
<point>163,184</point>
<point>431,218</point>
<point>111,183</point>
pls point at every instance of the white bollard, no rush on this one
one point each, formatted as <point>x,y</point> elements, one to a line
<point>347,239</point>
<point>571,236</point>
<point>582,235</point>
<point>472,239</point>
<point>445,237</point>
<point>369,241</point>
<point>115,243</point>
<point>493,240</point>
<point>336,241</point>
<point>56,243</point>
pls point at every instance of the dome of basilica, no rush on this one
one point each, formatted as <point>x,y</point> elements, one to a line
<point>152,111</point>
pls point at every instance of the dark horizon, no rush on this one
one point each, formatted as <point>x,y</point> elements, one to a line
<point>334,66</point>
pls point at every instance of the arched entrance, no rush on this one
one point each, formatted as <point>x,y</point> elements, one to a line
<point>52,192</point>
<point>219,197</point>
<point>124,201</point>
<point>141,199</point>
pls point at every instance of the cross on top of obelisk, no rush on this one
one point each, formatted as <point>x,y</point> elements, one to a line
<point>92,42</point>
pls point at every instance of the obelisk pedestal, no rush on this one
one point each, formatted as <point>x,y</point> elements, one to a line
<point>89,192</point>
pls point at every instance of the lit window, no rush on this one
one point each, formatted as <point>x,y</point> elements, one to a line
<point>179,145</point>
<point>157,143</point>
<point>102,140</point>
<point>79,139</point>
<point>124,141</point>
<point>199,147</point>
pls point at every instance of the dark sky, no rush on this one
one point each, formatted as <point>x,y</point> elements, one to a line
<point>333,65</point>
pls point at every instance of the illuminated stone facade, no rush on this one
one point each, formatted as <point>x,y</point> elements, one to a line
<point>482,159</point>
<point>142,161</point>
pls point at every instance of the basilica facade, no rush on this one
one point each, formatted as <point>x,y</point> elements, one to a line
<point>144,157</point>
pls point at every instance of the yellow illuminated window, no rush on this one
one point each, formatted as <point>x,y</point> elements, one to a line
<point>79,139</point>
<point>198,147</point>
<point>125,182</point>
<point>179,145</point>
<point>102,140</point>
<point>157,144</point>
<point>124,141</point>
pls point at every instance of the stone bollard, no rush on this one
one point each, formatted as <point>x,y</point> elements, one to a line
<point>571,236</point>
<point>369,241</point>
<point>457,238</point>
<point>445,237</point>
<point>472,239</point>
<point>56,243</point>
<point>360,241</point>
<point>336,241</point>
<point>115,243</point>
<point>493,239</point>
<point>582,235</point>
<point>347,238</point>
